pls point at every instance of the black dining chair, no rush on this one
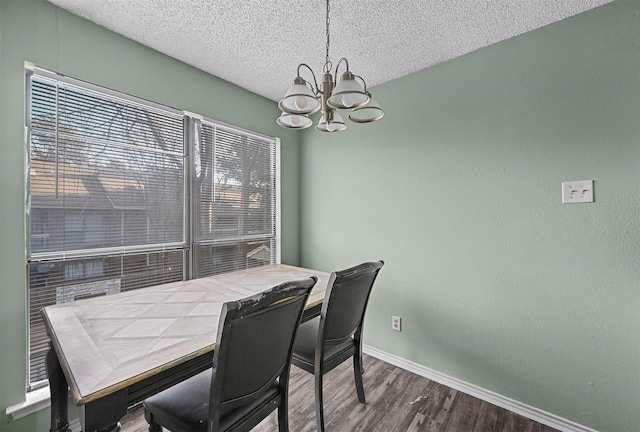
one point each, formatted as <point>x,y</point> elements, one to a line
<point>324,342</point>
<point>251,363</point>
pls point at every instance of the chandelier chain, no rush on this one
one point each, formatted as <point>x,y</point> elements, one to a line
<point>327,63</point>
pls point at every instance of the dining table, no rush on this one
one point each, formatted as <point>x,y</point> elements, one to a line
<point>111,352</point>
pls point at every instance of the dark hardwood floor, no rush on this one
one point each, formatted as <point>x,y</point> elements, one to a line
<point>397,401</point>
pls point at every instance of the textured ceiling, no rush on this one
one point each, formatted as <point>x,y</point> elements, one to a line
<point>257,44</point>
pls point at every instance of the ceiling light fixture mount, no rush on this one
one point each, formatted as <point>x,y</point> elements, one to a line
<point>303,99</point>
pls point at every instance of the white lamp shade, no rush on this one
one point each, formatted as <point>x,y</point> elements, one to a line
<point>348,93</point>
<point>336,124</point>
<point>366,113</point>
<point>299,99</point>
<point>294,121</point>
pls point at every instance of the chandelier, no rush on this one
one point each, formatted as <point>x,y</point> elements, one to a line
<point>303,99</point>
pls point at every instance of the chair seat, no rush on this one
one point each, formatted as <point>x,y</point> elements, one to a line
<point>304,347</point>
<point>181,407</point>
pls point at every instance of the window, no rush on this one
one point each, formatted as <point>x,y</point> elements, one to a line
<point>235,218</point>
<point>110,181</point>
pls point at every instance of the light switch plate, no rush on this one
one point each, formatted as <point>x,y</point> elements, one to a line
<point>577,192</point>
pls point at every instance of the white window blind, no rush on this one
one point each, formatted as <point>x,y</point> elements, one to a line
<point>108,166</point>
<point>109,178</point>
<point>235,196</point>
<point>105,204</point>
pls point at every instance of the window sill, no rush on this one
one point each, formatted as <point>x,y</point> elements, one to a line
<point>34,401</point>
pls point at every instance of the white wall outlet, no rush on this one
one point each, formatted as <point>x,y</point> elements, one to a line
<point>577,192</point>
<point>396,323</point>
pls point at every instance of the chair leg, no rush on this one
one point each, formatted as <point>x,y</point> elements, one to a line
<point>283,415</point>
<point>358,370</point>
<point>155,427</point>
<point>319,401</point>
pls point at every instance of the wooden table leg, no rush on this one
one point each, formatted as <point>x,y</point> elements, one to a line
<point>59,393</point>
<point>101,415</point>
<point>104,414</point>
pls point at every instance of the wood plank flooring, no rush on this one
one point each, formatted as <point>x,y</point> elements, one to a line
<point>397,401</point>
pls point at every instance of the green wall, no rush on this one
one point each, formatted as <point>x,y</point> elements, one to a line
<point>38,32</point>
<point>458,188</point>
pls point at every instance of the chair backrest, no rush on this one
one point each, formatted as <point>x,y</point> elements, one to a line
<point>345,301</point>
<point>254,343</point>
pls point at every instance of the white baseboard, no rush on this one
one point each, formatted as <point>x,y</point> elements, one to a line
<point>520,408</point>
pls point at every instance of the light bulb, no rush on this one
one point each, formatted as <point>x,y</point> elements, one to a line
<point>295,120</point>
<point>331,126</point>
<point>348,100</point>
<point>301,103</point>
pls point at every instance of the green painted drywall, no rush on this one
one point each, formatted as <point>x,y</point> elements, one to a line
<point>458,188</point>
<point>36,31</point>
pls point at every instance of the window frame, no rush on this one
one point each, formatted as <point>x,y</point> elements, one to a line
<point>190,120</point>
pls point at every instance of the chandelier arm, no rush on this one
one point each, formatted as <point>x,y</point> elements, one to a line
<point>343,59</point>
<point>315,90</point>
<point>364,83</point>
